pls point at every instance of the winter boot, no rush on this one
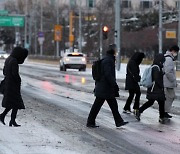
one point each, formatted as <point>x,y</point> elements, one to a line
<point>2,117</point>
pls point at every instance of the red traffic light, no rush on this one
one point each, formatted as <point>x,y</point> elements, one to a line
<point>105,29</point>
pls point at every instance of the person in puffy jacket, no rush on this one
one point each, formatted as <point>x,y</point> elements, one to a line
<point>12,99</point>
<point>106,89</point>
<point>170,82</point>
<point>156,91</point>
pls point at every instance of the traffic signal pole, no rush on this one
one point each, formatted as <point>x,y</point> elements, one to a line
<point>118,32</point>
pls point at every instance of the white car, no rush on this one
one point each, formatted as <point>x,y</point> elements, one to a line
<point>3,54</point>
<point>73,60</point>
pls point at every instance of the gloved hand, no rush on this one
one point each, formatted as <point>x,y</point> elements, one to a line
<point>116,87</point>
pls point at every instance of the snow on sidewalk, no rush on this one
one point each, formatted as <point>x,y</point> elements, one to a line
<point>30,139</point>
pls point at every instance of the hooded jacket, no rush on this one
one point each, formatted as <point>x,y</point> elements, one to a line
<point>170,73</point>
<point>156,92</point>
<point>133,71</point>
<point>12,95</point>
<point>107,87</point>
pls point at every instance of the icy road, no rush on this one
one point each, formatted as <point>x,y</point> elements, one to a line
<point>54,122</point>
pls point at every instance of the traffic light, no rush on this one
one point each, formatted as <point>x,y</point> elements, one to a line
<point>105,32</point>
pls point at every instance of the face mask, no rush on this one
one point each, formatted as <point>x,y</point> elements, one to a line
<point>174,54</point>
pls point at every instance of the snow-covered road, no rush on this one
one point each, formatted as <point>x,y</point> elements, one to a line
<point>55,117</point>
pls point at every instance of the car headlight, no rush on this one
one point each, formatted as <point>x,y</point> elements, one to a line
<point>6,55</point>
<point>83,59</point>
<point>67,59</point>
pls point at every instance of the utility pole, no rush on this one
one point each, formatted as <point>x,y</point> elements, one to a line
<point>101,39</point>
<point>57,42</point>
<point>41,27</point>
<point>178,62</point>
<point>118,32</point>
<point>179,24</point>
<point>25,28</point>
<point>80,27</point>
<point>160,26</point>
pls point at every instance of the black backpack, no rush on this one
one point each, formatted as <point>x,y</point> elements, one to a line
<point>96,70</point>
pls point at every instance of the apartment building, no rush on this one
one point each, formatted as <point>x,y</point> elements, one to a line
<point>147,5</point>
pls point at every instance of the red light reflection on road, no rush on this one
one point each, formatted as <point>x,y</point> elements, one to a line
<point>47,86</point>
<point>67,78</point>
<point>73,79</point>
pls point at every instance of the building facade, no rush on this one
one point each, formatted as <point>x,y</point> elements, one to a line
<point>147,5</point>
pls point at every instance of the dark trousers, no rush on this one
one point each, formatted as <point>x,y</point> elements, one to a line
<point>149,103</point>
<point>97,106</point>
<point>13,113</point>
<point>130,98</point>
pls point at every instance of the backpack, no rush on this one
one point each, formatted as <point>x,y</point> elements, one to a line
<point>96,70</point>
<point>146,80</point>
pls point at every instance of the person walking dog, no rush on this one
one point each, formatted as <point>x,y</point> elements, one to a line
<point>106,89</point>
<point>12,99</point>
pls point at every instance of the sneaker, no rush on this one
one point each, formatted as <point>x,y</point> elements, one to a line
<point>91,125</point>
<point>163,120</point>
<point>166,115</point>
<point>137,114</point>
<point>127,111</point>
<point>121,124</point>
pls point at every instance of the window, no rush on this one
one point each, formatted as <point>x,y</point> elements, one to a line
<point>126,4</point>
<point>177,3</point>
<point>157,3</point>
<point>146,4</point>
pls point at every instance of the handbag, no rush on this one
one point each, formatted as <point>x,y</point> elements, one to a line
<point>2,86</point>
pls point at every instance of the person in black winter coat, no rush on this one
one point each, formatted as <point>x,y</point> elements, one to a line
<point>156,91</point>
<point>12,94</point>
<point>132,80</point>
<point>106,89</point>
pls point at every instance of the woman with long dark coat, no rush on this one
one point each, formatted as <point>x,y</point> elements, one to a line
<point>12,94</point>
<point>132,79</point>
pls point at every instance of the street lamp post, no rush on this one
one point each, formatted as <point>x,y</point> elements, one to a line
<point>118,32</point>
<point>80,27</point>
<point>57,42</point>
<point>160,26</point>
<point>41,28</point>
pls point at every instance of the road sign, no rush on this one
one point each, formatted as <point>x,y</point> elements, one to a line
<point>40,34</point>
<point>3,12</point>
<point>170,34</point>
<point>57,32</point>
<point>12,21</point>
<point>40,37</point>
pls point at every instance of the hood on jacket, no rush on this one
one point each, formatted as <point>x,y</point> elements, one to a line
<point>138,57</point>
<point>168,53</point>
<point>111,49</point>
<point>159,60</point>
<point>20,54</point>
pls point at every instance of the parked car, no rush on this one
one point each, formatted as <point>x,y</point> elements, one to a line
<point>3,54</point>
<point>73,60</point>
